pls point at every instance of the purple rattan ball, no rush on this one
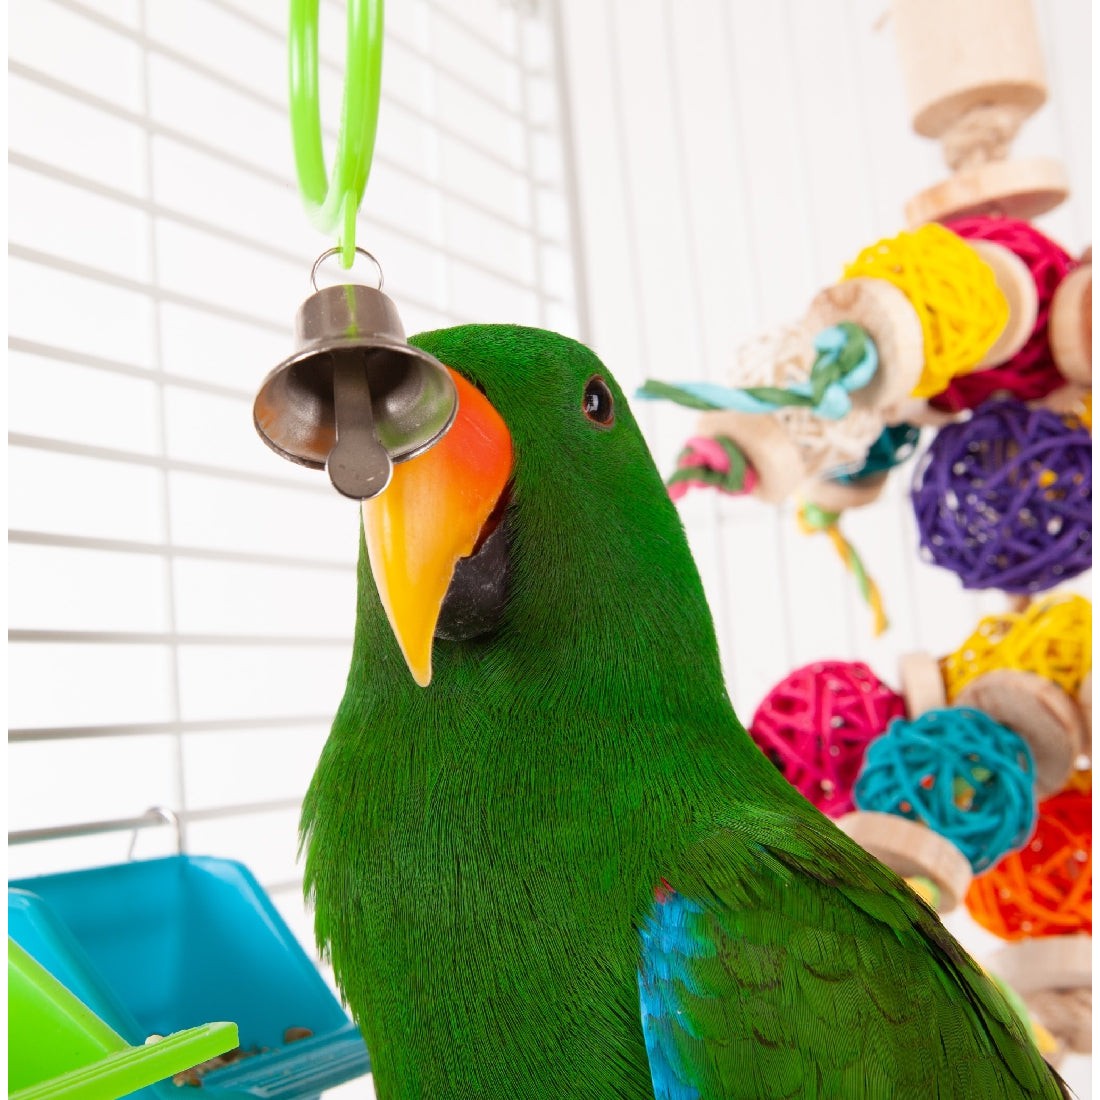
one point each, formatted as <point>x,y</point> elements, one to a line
<point>1004,499</point>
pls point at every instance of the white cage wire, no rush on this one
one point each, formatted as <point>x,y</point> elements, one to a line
<point>181,601</point>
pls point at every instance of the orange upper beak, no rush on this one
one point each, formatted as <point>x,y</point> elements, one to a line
<point>431,515</point>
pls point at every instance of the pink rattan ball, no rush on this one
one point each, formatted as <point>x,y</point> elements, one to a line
<point>815,726</point>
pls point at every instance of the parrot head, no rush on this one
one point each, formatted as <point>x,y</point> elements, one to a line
<point>539,514</point>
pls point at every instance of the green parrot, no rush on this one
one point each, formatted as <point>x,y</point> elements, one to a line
<point>546,860</point>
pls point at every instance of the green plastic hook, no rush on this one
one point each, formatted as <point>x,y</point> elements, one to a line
<point>335,202</point>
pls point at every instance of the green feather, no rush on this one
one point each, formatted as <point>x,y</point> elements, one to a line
<point>482,853</point>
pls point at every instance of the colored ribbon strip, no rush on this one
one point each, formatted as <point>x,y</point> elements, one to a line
<point>846,361</point>
<point>712,462</point>
<point>812,519</point>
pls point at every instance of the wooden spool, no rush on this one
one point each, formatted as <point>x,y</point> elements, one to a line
<point>891,322</point>
<point>1022,189</point>
<point>770,450</point>
<point>1071,325</point>
<point>1016,284</point>
<point>837,496</point>
<point>1049,962</point>
<point>922,685</point>
<point>1053,976</point>
<point>912,851</point>
<point>1067,1015</point>
<point>1042,714</point>
<point>959,58</point>
<point>914,410</point>
<point>1068,400</point>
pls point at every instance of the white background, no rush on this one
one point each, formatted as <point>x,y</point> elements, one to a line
<point>664,180</point>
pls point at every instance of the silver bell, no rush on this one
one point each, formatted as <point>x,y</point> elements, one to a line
<point>355,397</point>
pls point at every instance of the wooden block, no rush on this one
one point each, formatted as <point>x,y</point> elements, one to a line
<point>1050,962</point>
<point>891,322</point>
<point>1042,714</point>
<point>1016,284</point>
<point>921,683</point>
<point>957,55</point>
<point>836,496</point>
<point>1015,188</point>
<point>770,450</point>
<point>1071,325</point>
<point>912,851</point>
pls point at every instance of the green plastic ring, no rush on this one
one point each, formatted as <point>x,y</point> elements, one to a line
<point>335,202</point>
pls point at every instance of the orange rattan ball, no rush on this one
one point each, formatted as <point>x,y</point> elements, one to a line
<point>1045,889</point>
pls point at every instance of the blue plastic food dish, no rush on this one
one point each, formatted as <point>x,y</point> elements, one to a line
<point>157,946</point>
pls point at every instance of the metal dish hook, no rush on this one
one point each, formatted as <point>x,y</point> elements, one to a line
<point>157,815</point>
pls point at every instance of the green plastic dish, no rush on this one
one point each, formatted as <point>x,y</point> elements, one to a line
<point>58,1049</point>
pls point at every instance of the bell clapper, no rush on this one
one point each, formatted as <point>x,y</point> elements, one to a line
<point>358,465</point>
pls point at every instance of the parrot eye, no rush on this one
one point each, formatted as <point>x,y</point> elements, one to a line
<point>598,405</point>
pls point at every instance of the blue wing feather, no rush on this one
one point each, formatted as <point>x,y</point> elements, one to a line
<point>817,975</point>
<point>668,949</point>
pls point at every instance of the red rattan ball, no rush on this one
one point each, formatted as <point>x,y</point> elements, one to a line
<point>1031,373</point>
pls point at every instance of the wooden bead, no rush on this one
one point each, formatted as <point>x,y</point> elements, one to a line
<point>1071,325</point>
<point>922,684</point>
<point>957,57</point>
<point>912,851</point>
<point>1016,284</point>
<point>1021,189</point>
<point>1049,962</point>
<point>913,410</point>
<point>1066,1014</point>
<point>836,496</point>
<point>1084,701</point>
<point>1066,400</point>
<point>1040,712</point>
<point>891,322</point>
<point>770,450</point>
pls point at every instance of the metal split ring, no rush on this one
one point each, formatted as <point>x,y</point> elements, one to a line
<point>336,252</point>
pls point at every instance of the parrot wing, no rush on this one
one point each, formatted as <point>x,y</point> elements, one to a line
<point>817,973</point>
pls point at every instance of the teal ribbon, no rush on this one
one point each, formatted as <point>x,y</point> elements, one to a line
<point>896,443</point>
<point>846,361</point>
